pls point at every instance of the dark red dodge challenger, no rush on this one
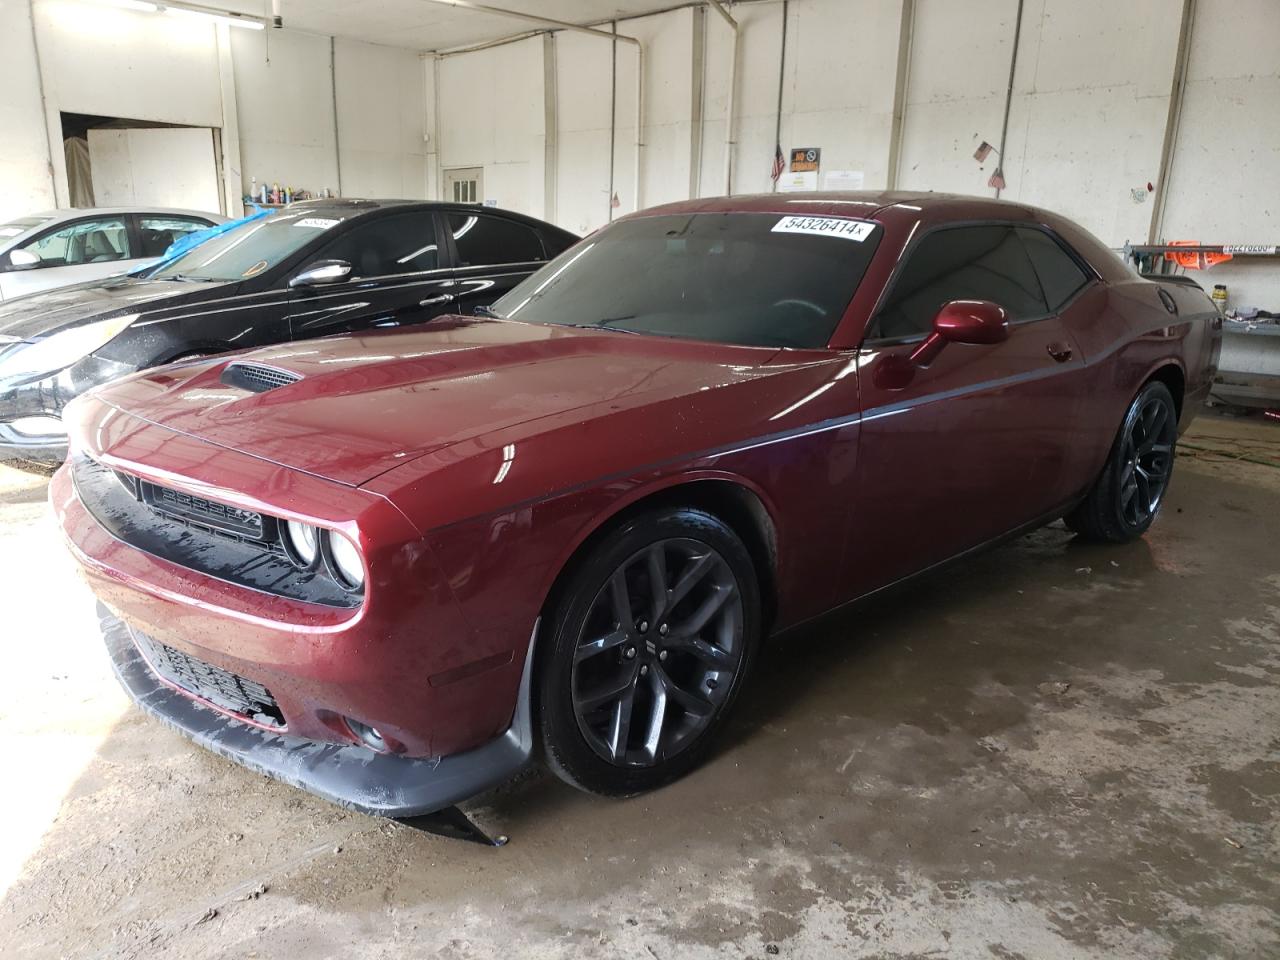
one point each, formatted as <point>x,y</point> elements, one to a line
<point>392,568</point>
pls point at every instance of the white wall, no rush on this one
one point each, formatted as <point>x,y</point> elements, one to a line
<point>381,120</point>
<point>276,119</point>
<point>284,98</point>
<point>26,178</point>
<point>492,116</point>
<point>1224,186</point>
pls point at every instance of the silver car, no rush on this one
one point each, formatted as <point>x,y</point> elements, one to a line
<point>62,247</point>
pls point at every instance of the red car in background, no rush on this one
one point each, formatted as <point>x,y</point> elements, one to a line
<point>391,568</point>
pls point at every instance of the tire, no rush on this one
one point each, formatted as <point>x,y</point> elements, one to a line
<point>672,662</point>
<point>1130,490</point>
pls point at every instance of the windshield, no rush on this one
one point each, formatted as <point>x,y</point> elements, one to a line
<point>15,227</point>
<point>247,250</point>
<point>745,278</point>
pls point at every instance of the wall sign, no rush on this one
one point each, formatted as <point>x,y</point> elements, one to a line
<point>805,159</point>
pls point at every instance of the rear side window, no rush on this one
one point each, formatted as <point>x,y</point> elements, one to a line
<point>482,240</point>
<point>961,263</point>
<point>1060,276</point>
<point>155,233</point>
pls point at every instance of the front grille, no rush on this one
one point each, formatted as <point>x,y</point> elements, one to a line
<point>234,545</point>
<point>219,517</point>
<point>228,691</point>
<point>257,377</point>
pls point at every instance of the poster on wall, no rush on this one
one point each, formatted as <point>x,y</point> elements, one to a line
<point>805,159</point>
<point>843,180</point>
<point>798,182</point>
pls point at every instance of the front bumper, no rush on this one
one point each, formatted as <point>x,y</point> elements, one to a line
<point>351,776</point>
<point>47,397</point>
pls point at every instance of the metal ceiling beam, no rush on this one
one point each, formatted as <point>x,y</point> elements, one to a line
<point>547,22</point>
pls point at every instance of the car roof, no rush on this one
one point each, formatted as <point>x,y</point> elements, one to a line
<point>349,207</point>
<point>859,203</point>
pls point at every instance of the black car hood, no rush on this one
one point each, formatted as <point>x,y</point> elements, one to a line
<point>42,314</point>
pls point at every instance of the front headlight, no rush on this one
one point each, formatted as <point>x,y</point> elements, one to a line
<point>346,558</point>
<point>303,542</point>
<point>62,349</point>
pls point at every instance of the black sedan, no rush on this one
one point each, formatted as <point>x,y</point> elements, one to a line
<point>314,268</point>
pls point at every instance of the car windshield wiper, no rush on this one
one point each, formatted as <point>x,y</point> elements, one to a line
<point>601,326</point>
<point>187,276</point>
<point>487,311</point>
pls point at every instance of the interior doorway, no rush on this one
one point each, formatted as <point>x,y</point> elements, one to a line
<point>117,162</point>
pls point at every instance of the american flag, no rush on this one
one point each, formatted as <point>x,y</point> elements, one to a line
<point>779,163</point>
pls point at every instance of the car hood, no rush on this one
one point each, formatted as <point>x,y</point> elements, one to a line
<point>44,314</point>
<point>363,404</point>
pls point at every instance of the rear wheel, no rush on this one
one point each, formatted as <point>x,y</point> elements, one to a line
<point>648,647</point>
<point>1131,488</point>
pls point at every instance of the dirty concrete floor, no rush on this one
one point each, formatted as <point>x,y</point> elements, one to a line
<point>1053,750</point>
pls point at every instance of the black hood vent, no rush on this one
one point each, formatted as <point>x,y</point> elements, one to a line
<point>257,377</point>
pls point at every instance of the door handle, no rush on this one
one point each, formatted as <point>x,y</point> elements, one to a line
<point>432,301</point>
<point>1060,352</point>
<point>1167,299</point>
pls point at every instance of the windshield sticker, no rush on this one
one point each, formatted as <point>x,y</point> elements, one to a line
<point>10,231</point>
<point>256,269</point>
<point>318,223</point>
<point>825,227</point>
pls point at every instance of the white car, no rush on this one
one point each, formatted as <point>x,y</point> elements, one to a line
<point>61,247</point>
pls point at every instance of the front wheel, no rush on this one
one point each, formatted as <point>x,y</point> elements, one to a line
<point>1130,490</point>
<point>650,643</point>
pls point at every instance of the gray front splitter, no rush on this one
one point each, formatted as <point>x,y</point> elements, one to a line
<point>353,777</point>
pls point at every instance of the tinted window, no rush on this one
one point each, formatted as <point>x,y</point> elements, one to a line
<point>156,233</point>
<point>1060,276</point>
<point>961,263</point>
<point>249,249</point>
<point>723,277</point>
<point>86,241</point>
<point>482,240</point>
<point>383,246</point>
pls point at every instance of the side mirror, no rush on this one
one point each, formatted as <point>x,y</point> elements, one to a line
<point>322,272</point>
<point>963,321</point>
<point>23,259</point>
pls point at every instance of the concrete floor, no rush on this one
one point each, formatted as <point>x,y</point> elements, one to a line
<point>1054,750</point>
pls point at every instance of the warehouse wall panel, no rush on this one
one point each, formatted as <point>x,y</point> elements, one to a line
<point>24,150</point>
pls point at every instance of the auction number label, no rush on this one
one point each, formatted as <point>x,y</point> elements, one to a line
<point>825,227</point>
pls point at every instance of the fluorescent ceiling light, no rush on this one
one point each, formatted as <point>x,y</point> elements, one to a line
<point>230,19</point>
<point>214,16</point>
<point>140,5</point>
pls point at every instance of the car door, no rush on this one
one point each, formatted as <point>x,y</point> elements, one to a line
<point>90,248</point>
<point>398,276</point>
<point>492,253</point>
<point>955,454</point>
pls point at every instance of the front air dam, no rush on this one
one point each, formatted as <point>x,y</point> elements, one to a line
<point>382,785</point>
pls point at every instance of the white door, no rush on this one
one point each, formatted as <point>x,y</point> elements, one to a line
<point>155,166</point>
<point>464,185</point>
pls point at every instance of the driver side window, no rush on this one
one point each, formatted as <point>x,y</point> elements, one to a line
<point>385,246</point>
<point>960,263</point>
<point>86,241</point>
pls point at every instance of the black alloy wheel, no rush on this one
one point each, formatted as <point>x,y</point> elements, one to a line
<point>1131,488</point>
<point>651,644</point>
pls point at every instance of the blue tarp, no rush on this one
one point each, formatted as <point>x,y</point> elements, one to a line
<point>197,237</point>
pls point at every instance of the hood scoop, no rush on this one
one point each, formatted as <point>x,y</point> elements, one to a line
<point>257,377</point>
